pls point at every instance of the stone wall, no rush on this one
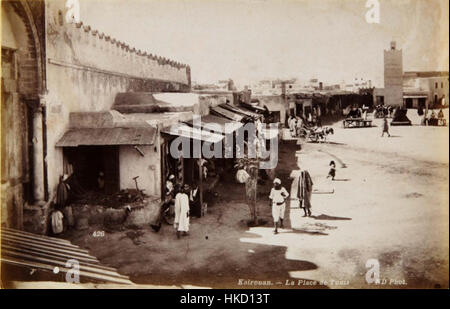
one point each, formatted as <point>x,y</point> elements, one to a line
<point>147,167</point>
<point>23,35</point>
<point>18,85</point>
<point>273,103</point>
<point>85,71</point>
<point>70,44</point>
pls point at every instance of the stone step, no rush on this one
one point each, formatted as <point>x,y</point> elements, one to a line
<point>35,218</point>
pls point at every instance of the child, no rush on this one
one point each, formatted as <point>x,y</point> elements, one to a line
<point>332,171</point>
<point>385,127</point>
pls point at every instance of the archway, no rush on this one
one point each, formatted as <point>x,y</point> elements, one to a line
<point>22,83</point>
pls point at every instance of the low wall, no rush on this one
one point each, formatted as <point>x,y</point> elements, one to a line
<point>147,167</point>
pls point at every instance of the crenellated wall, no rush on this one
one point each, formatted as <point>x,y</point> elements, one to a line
<point>86,69</point>
<point>80,45</point>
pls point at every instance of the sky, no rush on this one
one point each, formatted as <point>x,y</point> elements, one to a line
<point>250,40</point>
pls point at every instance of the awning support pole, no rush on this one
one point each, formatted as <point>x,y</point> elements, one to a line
<point>200,181</point>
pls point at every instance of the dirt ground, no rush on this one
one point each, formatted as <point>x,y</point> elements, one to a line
<point>390,203</point>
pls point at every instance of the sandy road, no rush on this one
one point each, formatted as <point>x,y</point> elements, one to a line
<point>390,204</point>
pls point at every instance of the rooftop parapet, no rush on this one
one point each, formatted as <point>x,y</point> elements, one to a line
<point>77,44</point>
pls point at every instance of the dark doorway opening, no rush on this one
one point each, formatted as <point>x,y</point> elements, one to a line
<point>409,103</point>
<point>89,161</point>
<point>299,109</point>
<point>421,102</point>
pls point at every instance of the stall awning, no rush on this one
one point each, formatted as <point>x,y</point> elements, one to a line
<point>182,129</point>
<point>412,96</point>
<point>241,111</point>
<point>108,136</point>
<point>215,123</point>
<point>253,107</point>
<point>226,113</point>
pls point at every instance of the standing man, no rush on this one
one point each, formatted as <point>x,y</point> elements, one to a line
<point>194,201</point>
<point>170,186</point>
<point>299,126</point>
<point>182,212</point>
<point>292,123</point>
<point>278,196</point>
<point>385,127</point>
<point>305,187</point>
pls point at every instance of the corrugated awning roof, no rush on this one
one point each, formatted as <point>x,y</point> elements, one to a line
<point>146,102</point>
<point>241,111</point>
<point>215,124</point>
<point>415,96</point>
<point>31,251</point>
<point>254,107</point>
<point>108,136</point>
<point>182,129</point>
<point>226,113</point>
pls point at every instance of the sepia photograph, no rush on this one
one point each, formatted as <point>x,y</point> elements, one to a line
<point>224,144</point>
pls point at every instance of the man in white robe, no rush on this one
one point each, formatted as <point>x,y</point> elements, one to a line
<point>278,196</point>
<point>182,212</point>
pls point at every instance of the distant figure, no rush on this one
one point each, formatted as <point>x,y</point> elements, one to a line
<point>433,115</point>
<point>57,222</point>
<point>259,126</point>
<point>332,172</point>
<point>441,114</point>
<point>194,202</point>
<point>182,212</point>
<point>170,186</point>
<point>385,127</point>
<point>289,121</point>
<point>101,181</point>
<point>292,125</point>
<point>298,126</point>
<point>319,121</point>
<point>62,193</point>
<point>305,187</point>
<point>424,121</point>
<point>365,111</point>
<point>420,111</point>
<point>278,196</point>
<point>314,119</point>
<point>391,111</point>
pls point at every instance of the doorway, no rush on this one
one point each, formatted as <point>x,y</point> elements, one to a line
<point>89,161</point>
<point>409,103</point>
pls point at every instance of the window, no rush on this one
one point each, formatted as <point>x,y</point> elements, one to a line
<point>442,84</point>
<point>436,85</point>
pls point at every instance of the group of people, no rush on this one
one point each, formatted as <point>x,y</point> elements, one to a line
<point>186,202</point>
<point>433,119</point>
<point>357,112</point>
<point>296,125</point>
<point>279,194</point>
<point>384,111</point>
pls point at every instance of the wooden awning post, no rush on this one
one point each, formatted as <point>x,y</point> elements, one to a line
<point>200,181</point>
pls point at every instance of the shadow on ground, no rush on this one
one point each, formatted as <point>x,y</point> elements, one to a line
<point>326,217</point>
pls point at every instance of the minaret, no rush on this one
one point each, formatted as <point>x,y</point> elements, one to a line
<point>393,76</point>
